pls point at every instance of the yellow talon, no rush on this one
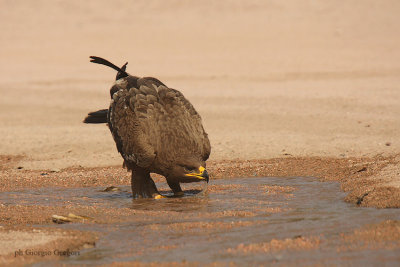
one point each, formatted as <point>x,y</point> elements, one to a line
<point>159,197</point>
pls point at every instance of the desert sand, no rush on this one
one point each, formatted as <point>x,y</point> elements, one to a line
<point>311,87</point>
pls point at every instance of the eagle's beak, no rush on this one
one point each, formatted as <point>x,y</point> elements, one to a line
<point>205,175</point>
<point>202,174</point>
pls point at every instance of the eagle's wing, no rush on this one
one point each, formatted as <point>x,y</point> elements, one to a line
<point>183,125</point>
<point>127,122</point>
<point>151,120</point>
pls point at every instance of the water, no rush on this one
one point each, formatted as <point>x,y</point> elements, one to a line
<point>208,227</point>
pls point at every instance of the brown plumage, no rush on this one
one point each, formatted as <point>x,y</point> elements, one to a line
<point>156,130</point>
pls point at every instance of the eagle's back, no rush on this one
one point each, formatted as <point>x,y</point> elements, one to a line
<point>153,125</point>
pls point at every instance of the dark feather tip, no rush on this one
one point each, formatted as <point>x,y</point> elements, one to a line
<point>105,62</point>
<point>124,66</point>
<point>99,60</point>
<point>99,116</point>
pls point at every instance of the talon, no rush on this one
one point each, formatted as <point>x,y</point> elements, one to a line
<point>159,197</point>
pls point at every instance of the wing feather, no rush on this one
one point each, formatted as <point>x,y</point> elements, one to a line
<point>154,124</point>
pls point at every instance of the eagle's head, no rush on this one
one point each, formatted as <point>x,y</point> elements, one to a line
<point>189,170</point>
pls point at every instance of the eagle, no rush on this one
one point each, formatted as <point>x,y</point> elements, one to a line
<point>156,130</point>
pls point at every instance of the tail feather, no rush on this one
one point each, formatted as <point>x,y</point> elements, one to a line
<point>121,71</point>
<point>121,74</point>
<point>99,116</point>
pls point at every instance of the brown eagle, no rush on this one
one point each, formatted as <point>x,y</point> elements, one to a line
<point>156,130</point>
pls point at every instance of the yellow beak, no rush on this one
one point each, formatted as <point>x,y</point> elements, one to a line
<point>202,174</point>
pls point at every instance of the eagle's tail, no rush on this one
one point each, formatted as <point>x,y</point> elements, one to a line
<point>121,71</point>
<point>99,116</point>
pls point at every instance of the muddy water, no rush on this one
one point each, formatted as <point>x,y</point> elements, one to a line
<point>305,218</point>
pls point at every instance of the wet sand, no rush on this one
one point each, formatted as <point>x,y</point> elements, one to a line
<point>284,89</point>
<point>377,238</point>
<point>363,178</point>
<point>254,220</point>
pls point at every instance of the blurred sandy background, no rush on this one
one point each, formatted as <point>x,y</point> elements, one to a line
<point>270,78</point>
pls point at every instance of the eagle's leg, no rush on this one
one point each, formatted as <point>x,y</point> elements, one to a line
<point>142,184</point>
<point>176,188</point>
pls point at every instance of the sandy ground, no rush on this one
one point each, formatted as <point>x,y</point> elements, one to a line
<point>268,78</point>
<point>293,88</point>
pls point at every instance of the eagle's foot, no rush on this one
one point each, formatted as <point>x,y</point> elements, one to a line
<point>179,194</point>
<point>176,188</point>
<point>145,191</point>
<point>143,186</point>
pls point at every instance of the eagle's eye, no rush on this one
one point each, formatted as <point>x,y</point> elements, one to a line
<point>188,168</point>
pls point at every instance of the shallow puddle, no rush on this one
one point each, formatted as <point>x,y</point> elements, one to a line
<point>246,221</point>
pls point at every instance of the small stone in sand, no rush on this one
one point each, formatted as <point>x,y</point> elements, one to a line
<point>111,189</point>
<point>60,219</point>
